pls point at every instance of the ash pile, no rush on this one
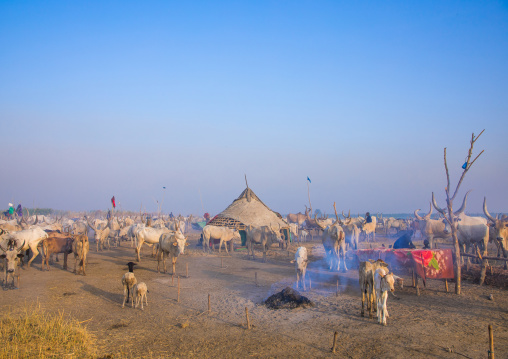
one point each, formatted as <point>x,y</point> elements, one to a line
<point>288,298</point>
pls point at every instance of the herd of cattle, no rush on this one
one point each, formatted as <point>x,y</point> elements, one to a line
<point>167,237</point>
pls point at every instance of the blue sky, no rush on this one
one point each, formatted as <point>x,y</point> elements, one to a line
<point>103,98</point>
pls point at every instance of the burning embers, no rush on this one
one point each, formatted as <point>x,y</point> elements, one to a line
<point>288,298</point>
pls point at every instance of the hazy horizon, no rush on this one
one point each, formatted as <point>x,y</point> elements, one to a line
<point>123,99</point>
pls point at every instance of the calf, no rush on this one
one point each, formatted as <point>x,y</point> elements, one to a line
<point>366,278</point>
<point>80,248</point>
<point>383,282</point>
<point>128,281</point>
<point>301,265</point>
<point>138,292</point>
<point>405,241</point>
<point>303,235</point>
<point>55,245</point>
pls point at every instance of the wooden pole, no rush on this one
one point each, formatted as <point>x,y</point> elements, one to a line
<point>178,297</point>
<point>186,270</point>
<point>337,291</point>
<point>446,285</point>
<point>209,305</point>
<point>247,315</point>
<point>491,342</point>
<point>308,192</point>
<point>173,279</point>
<point>334,347</point>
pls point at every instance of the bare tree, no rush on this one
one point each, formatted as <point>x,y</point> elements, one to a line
<point>449,202</point>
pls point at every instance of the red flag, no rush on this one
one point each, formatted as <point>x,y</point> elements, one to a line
<point>113,201</point>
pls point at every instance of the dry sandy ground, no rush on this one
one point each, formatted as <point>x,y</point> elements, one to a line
<point>434,325</point>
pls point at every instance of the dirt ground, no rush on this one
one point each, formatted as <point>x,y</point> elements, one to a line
<point>434,325</point>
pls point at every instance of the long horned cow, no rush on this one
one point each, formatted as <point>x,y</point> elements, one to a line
<point>470,230</point>
<point>12,255</point>
<point>431,228</point>
<point>499,228</point>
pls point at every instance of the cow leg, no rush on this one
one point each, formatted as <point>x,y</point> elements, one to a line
<point>159,261</point>
<point>173,259</point>
<point>138,249</point>
<point>35,252</point>
<point>362,313</point>
<point>485,262</point>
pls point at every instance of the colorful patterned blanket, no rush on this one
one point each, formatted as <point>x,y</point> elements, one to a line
<point>433,264</point>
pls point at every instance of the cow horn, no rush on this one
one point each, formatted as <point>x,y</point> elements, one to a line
<point>36,219</point>
<point>487,212</point>
<point>427,216</point>
<point>89,225</point>
<point>417,216</point>
<point>337,220</point>
<point>463,207</point>
<point>319,225</point>
<point>442,211</point>
<point>21,247</point>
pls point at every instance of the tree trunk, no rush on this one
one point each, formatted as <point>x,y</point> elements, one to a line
<point>458,260</point>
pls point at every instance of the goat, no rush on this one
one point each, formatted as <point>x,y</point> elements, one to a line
<point>128,281</point>
<point>138,292</point>
<point>383,282</point>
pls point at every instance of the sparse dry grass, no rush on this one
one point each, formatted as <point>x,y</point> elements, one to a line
<point>37,334</point>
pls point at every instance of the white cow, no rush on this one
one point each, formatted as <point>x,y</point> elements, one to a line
<point>148,235</point>
<point>224,234</point>
<point>31,238</point>
<point>171,244</point>
<point>301,261</point>
<point>470,230</point>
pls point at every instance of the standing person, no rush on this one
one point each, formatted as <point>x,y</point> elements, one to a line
<point>368,218</point>
<point>19,210</point>
<point>10,211</point>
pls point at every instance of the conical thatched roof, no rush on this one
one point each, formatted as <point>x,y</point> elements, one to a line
<point>248,209</point>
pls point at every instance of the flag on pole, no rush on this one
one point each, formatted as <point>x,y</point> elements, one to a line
<point>308,179</point>
<point>113,201</point>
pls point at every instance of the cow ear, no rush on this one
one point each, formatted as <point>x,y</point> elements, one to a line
<point>175,244</point>
<point>186,243</point>
<point>2,256</point>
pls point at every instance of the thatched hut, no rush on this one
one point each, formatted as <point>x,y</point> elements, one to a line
<point>247,210</point>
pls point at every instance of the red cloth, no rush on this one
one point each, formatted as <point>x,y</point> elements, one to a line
<point>113,201</point>
<point>433,264</point>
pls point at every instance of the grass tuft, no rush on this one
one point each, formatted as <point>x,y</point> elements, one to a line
<point>37,334</point>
